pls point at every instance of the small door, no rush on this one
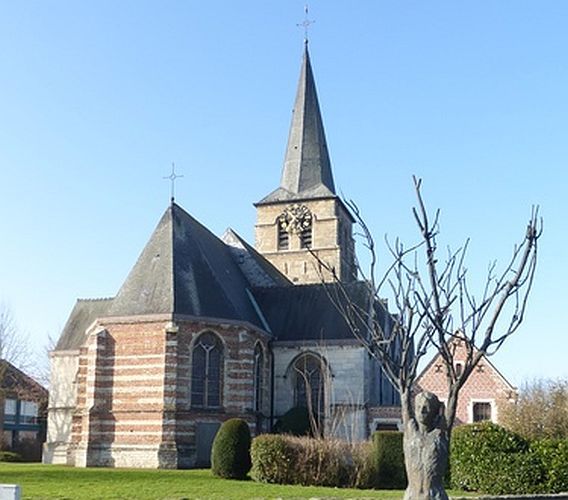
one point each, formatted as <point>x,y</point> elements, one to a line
<point>205,434</point>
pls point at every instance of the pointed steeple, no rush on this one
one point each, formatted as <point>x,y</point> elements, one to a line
<point>307,168</point>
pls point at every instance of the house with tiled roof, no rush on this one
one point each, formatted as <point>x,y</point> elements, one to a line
<point>205,328</point>
<point>23,404</point>
<point>483,394</point>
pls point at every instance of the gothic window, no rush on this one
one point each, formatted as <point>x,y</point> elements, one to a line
<point>481,411</point>
<point>206,368</point>
<point>306,236</point>
<point>309,384</point>
<point>258,367</point>
<point>296,220</point>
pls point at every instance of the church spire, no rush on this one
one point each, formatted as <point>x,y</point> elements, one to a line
<point>306,164</point>
<point>306,173</point>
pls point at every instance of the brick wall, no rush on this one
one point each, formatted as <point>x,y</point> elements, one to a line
<point>134,385</point>
<point>485,385</point>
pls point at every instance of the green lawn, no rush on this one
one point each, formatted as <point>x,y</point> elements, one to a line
<point>54,481</point>
<point>51,481</point>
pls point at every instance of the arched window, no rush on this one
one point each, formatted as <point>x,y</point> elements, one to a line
<point>306,235</point>
<point>309,384</point>
<point>206,367</point>
<point>258,379</point>
<point>283,238</point>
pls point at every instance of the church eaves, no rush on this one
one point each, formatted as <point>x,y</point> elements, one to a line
<point>185,269</point>
<point>306,173</point>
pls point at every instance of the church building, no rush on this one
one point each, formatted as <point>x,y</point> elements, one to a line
<point>205,329</point>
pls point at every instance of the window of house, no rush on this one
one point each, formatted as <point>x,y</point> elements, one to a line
<point>258,366</point>
<point>10,410</point>
<point>459,369</point>
<point>309,384</point>
<point>481,411</point>
<point>206,367</point>
<point>28,412</point>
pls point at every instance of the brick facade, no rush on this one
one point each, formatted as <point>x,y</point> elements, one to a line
<point>133,405</point>
<point>485,386</point>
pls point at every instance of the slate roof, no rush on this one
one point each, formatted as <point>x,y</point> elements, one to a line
<point>83,314</point>
<point>256,268</point>
<point>185,269</point>
<point>307,168</point>
<point>307,312</point>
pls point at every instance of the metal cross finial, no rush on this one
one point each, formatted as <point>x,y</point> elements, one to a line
<point>172,177</point>
<point>306,23</point>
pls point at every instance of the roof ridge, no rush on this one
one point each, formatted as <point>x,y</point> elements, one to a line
<point>94,299</point>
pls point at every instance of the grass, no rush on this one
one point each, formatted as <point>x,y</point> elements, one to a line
<point>56,481</point>
<point>53,481</point>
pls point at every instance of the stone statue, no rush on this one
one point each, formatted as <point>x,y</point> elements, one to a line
<point>425,449</point>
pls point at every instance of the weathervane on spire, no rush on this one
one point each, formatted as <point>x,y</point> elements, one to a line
<point>306,23</point>
<point>172,177</point>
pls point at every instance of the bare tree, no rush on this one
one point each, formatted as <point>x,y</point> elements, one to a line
<point>540,411</point>
<point>433,309</point>
<point>14,345</point>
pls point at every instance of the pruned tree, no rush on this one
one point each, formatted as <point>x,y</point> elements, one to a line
<point>434,308</point>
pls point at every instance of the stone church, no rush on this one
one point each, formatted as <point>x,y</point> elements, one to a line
<point>205,329</point>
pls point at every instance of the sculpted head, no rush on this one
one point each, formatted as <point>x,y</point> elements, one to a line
<point>427,408</point>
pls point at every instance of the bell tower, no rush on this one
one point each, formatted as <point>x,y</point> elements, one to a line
<point>304,217</point>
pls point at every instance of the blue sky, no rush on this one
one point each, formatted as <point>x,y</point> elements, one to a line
<point>98,98</point>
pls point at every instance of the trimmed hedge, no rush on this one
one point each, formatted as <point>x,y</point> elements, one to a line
<point>230,455</point>
<point>553,454</point>
<point>388,460</point>
<point>490,459</point>
<point>285,459</point>
<point>472,453</point>
<point>10,456</point>
<point>273,457</point>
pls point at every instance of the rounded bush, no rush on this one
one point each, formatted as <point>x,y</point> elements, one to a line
<point>388,460</point>
<point>295,421</point>
<point>273,459</point>
<point>230,455</point>
<point>476,450</point>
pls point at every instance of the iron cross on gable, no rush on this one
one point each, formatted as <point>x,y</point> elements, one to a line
<point>172,177</point>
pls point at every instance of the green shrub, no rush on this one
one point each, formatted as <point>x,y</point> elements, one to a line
<point>286,459</point>
<point>230,455</point>
<point>473,449</point>
<point>553,454</point>
<point>295,421</point>
<point>10,456</point>
<point>273,459</point>
<point>512,474</point>
<point>388,460</point>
